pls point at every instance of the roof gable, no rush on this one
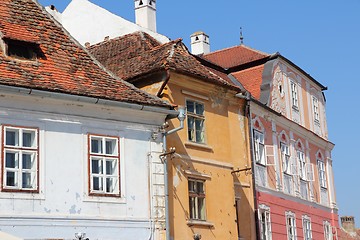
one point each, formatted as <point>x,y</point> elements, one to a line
<point>64,66</point>
<point>234,56</point>
<point>143,57</point>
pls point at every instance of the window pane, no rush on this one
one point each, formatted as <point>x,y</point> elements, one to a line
<point>28,139</point>
<point>191,130</point>
<point>110,185</point>
<point>199,109</point>
<point>110,146</point>
<point>190,106</point>
<point>192,207</point>
<point>96,145</point>
<point>191,186</point>
<point>110,167</point>
<point>12,137</point>
<point>201,206</point>
<point>11,160</point>
<point>200,187</point>
<point>96,166</point>
<point>97,183</point>
<point>27,180</point>
<point>27,161</point>
<point>11,179</point>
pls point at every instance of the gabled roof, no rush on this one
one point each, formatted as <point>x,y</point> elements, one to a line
<point>234,56</point>
<point>251,79</point>
<point>62,65</point>
<point>135,55</point>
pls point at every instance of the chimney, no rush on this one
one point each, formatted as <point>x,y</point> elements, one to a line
<point>145,14</point>
<point>200,43</point>
<point>348,223</point>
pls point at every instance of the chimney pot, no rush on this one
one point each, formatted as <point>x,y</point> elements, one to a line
<point>87,44</point>
<point>348,223</point>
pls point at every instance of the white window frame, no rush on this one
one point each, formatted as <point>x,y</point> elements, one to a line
<point>306,223</point>
<point>19,150</point>
<point>197,197</point>
<point>264,222</point>
<point>285,156</point>
<point>195,134</point>
<point>302,164</point>
<point>316,111</point>
<point>291,226</point>
<point>259,147</point>
<point>322,173</point>
<point>294,95</point>
<point>327,231</point>
<point>109,183</point>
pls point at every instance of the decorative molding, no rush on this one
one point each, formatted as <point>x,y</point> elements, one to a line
<point>205,161</point>
<point>185,92</point>
<point>197,175</point>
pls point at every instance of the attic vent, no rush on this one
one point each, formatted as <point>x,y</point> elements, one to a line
<point>21,50</point>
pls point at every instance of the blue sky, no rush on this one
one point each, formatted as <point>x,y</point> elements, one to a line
<point>321,37</point>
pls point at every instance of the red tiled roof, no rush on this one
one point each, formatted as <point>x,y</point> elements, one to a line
<point>138,54</point>
<point>234,56</point>
<point>63,65</point>
<point>251,79</point>
<point>343,235</point>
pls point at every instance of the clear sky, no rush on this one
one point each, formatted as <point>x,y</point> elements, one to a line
<point>322,37</point>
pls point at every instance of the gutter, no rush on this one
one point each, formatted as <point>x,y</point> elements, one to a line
<point>85,99</point>
<point>181,117</point>
<point>248,99</point>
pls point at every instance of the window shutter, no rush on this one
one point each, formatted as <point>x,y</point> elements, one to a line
<point>310,172</point>
<point>270,157</point>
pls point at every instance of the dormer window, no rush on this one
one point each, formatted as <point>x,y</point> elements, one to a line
<point>21,50</point>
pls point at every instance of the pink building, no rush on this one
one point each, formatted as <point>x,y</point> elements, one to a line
<point>291,154</point>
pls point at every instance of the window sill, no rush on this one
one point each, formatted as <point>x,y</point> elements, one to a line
<point>198,145</point>
<point>204,223</point>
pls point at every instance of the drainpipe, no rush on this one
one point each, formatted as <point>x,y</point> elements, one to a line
<point>247,97</point>
<point>181,117</point>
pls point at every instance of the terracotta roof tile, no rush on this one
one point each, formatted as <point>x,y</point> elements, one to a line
<point>138,54</point>
<point>234,56</point>
<point>62,64</point>
<point>251,79</point>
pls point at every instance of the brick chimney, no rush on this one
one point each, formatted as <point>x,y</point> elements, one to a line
<point>200,43</point>
<point>145,14</point>
<point>348,223</point>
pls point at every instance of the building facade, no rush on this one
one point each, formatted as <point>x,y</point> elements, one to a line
<point>291,154</point>
<point>79,147</point>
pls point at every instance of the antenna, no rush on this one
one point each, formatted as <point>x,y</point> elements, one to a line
<point>241,37</point>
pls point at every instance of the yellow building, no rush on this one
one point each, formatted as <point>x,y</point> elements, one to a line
<point>209,175</point>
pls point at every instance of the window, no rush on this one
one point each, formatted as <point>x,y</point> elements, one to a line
<point>322,173</point>
<point>265,222</point>
<point>259,147</point>
<point>294,95</point>
<point>20,159</point>
<point>197,199</point>
<point>21,50</point>
<point>196,118</point>
<point>327,231</point>
<point>104,164</point>
<point>307,228</point>
<point>316,110</point>
<point>302,164</point>
<point>285,155</point>
<point>291,226</point>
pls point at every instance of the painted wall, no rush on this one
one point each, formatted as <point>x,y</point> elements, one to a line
<point>225,149</point>
<point>279,205</point>
<point>63,205</point>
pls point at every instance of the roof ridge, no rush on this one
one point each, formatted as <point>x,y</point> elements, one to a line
<point>237,46</point>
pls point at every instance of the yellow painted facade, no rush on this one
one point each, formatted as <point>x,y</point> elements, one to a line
<point>229,202</point>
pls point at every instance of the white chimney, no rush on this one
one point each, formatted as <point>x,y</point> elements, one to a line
<point>145,14</point>
<point>200,43</point>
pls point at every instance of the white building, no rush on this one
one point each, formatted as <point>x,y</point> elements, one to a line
<point>89,23</point>
<point>79,147</point>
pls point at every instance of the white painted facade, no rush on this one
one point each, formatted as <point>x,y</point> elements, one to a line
<point>63,205</point>
<point>87,22</point>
